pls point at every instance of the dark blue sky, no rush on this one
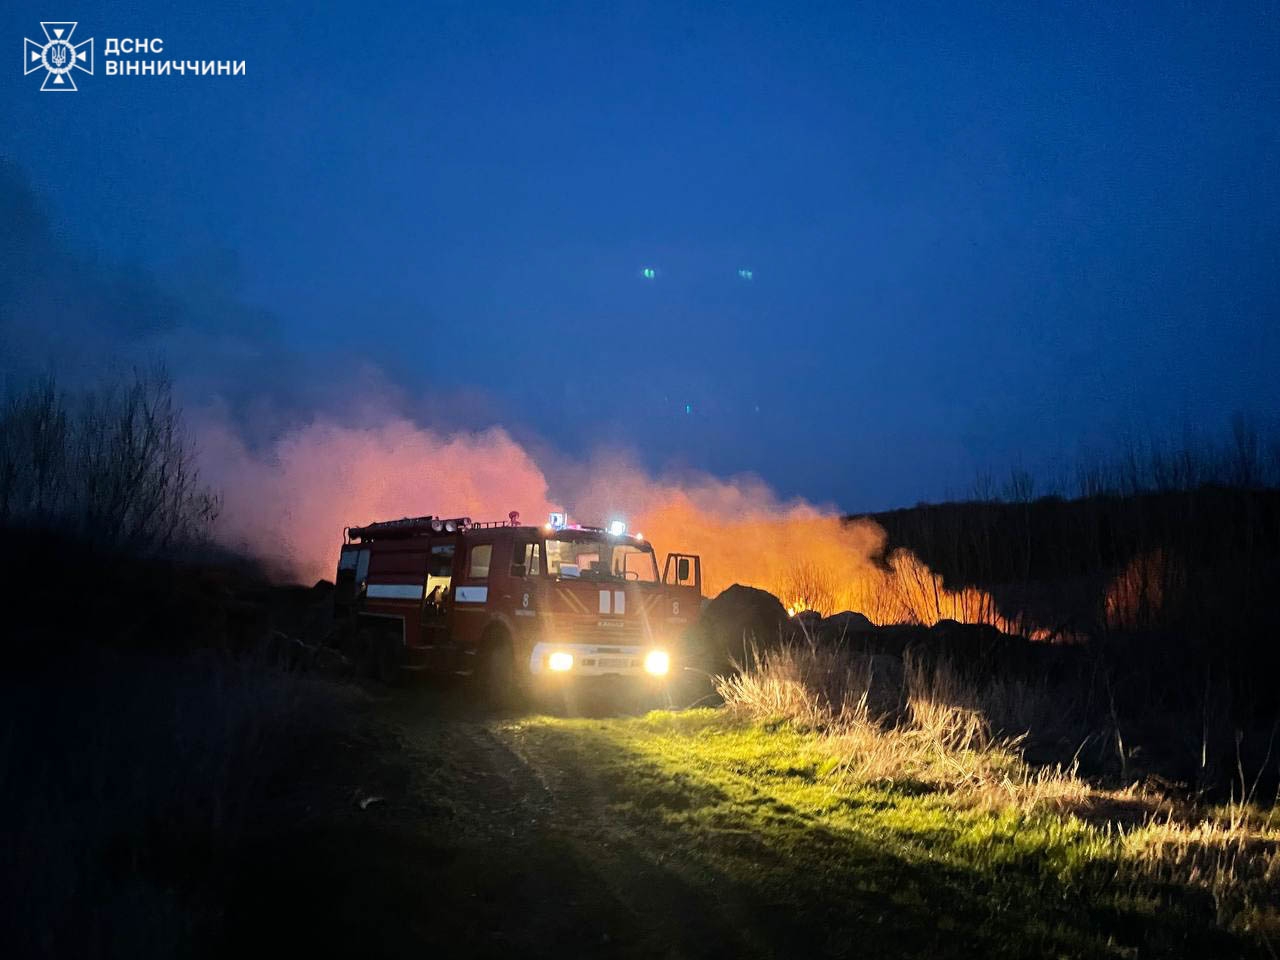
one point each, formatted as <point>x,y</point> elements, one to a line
<point>979,234</point>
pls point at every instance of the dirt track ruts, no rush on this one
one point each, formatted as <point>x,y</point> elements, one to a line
<point>446,832</point>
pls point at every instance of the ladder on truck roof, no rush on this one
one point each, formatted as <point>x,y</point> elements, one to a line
<point>422,526</point>
<point>405,527</point>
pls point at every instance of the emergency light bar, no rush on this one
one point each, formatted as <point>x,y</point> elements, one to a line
<point>616,528</point>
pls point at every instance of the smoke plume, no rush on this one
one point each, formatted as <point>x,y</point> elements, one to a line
<point>295,460</point>
<point>288,502</point>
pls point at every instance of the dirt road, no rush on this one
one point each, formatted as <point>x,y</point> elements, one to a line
<point>445,834</point>
<point>436,829</point>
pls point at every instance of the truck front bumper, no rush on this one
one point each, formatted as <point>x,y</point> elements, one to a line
<point>600,660</point>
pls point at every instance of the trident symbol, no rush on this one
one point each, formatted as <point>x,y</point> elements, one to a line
<point>58,56</point>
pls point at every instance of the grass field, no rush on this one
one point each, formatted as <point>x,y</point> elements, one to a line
<point>294,816</point>
<point>807,854</point>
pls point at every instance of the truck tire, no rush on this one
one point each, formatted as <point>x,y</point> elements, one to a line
<point>499,683</point>
<point>360,651</point>
<point>387,659</point>
<point>375,655</point>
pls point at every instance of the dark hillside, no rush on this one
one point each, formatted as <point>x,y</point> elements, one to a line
<point>1198,560</point>
<point>988,543</point>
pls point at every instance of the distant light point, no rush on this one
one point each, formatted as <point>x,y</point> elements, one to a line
<point>688,408</point>
<point>649,273</point>
<point>747,274</point>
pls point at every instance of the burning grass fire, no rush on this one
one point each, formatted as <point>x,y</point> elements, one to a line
<point>288,504</point>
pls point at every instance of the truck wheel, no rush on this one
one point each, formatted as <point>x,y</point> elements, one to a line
<point>375,654</point>
<point>499,684</point>
<point>387,659</point>
<point>360,650</point>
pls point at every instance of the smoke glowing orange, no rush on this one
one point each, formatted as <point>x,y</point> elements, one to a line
<point>289,504</point>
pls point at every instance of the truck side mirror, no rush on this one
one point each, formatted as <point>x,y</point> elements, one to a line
<point>682,570</point>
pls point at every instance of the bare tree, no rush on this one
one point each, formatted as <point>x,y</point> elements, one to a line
<point>113,468</point>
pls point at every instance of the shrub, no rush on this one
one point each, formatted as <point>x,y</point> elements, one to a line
<point>110,468</point>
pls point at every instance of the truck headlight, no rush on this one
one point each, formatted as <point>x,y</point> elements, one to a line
<point>657,663</point>
<point>560,661</point>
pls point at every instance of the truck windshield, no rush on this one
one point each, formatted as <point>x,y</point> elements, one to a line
<point>601,558</point>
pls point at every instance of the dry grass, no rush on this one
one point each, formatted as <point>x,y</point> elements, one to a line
<point>895,725</point>
<point>1233,854</point>
<point>123,778</point>
<point>929,730</point>
<point>805,682</point>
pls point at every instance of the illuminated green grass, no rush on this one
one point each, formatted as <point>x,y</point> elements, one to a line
<point>761,815</point>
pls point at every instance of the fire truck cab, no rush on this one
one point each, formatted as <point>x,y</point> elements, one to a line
<point>515,605</point>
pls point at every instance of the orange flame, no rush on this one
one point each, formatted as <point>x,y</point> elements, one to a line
<point>1135,598</point>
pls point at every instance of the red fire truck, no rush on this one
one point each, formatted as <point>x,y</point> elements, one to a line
<point>514,605</point>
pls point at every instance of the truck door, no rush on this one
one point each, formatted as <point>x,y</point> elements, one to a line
<point>683,570</point>
<point>353,570</point>
<point>521,593</point>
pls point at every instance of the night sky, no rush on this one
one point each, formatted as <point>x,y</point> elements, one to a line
<point>975,236</point>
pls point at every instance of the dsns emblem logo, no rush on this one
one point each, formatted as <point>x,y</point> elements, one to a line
<point>57,56</point>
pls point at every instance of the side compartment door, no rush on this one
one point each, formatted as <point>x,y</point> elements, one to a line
<point>437,601</point>
<point>471,592</point>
